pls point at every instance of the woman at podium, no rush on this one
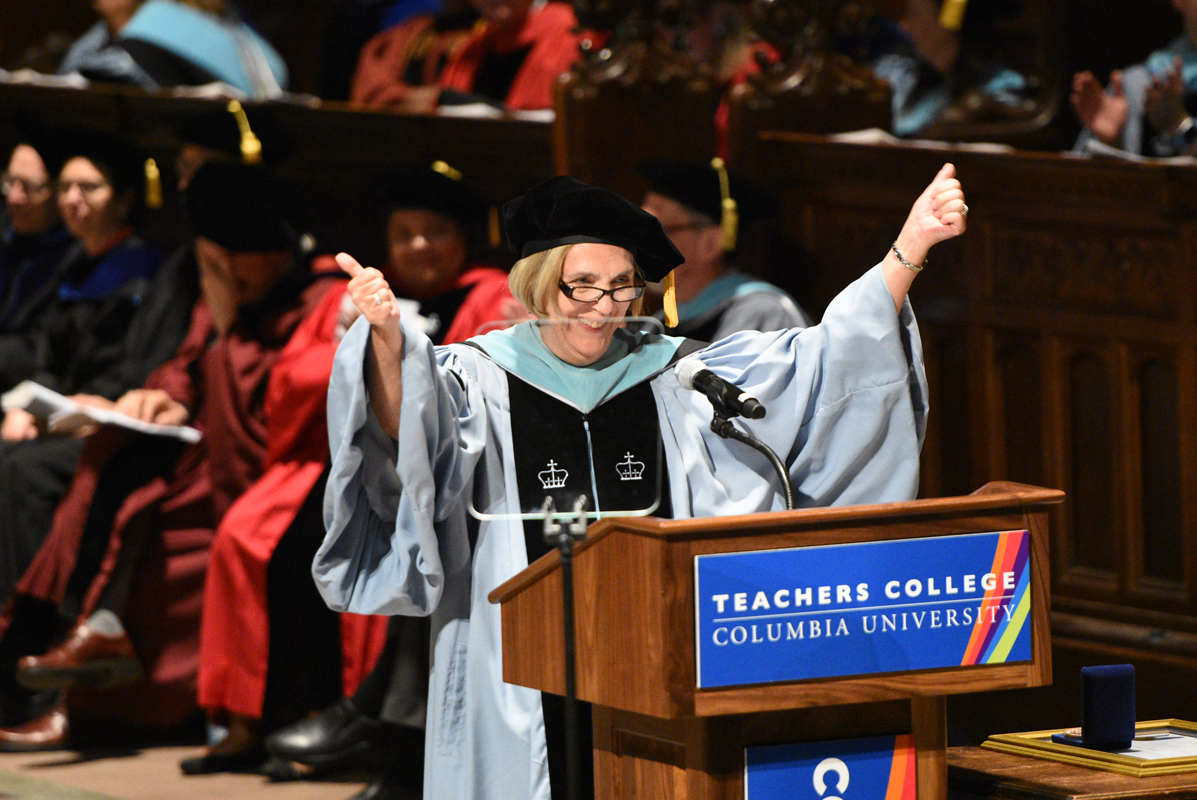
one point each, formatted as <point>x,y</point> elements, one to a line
<point>439,451</point>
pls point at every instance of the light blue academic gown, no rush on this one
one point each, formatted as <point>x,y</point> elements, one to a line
<point>846,406</point>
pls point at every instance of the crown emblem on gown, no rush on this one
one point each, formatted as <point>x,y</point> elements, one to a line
<point>553,478</point>
<point>630,470</point>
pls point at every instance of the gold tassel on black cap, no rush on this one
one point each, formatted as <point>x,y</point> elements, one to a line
<point>153,184</point>
<point>494,232</point>
<point>251,146</point>
<point>669,301</point>
<point>731,218</point>
<point>951,14</point>
<point>494,229</point>
<point>446,170</point>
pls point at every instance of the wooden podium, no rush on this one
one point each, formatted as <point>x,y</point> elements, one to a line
<point>656,735</point>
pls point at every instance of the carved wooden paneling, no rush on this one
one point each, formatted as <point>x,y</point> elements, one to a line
<point>1018,362</point>
<point>1159,565</point>
<point>1086,269</point>
<point>1060,340</point>
<point>947,450</point>
<point>1090,437</point>
<point>817,93</point>
<point>611,118</point>
<point>841,241</point>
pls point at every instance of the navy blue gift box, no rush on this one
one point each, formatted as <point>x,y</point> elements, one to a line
<point>1107,708</point>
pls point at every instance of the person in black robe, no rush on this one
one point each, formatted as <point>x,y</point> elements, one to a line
<point>32,237</point>
<point>107,315</point>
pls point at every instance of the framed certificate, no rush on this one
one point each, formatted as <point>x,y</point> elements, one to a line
<point>1161,747</point>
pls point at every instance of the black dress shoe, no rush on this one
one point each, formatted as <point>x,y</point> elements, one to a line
<point>276,770</point>
<point>248,761</point>
<point>386,788</point>
<point>336,737</point>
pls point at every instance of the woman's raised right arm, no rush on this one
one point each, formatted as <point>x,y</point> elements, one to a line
<point>384,368</point>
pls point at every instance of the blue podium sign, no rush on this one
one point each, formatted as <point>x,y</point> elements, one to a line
<point>876,768</point>
<point>862,608</point>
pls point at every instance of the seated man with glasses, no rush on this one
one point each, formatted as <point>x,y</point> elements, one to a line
<point>714,298</point>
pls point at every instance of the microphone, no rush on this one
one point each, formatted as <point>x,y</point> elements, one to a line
<point>726,397</point>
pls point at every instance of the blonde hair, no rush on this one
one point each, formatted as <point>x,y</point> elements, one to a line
<point>533,280</point>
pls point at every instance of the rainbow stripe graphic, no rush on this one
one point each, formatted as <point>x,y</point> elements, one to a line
<point>901,774</point>
<point>995,632</point>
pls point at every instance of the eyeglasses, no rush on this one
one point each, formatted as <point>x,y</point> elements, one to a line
<point>592,294</point>
<point>10,182</point>
<point>85,187</point>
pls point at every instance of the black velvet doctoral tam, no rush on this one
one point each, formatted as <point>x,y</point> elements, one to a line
<point>241,208</point>
<point>562,211</point>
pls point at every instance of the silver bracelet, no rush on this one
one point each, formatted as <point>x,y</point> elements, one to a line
<point>905,263</point>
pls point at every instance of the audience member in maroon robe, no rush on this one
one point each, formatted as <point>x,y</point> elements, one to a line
<point>122,570</point>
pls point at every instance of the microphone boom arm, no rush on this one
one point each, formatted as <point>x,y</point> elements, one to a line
<point>724,427</point>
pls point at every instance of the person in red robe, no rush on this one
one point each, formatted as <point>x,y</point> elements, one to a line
<point>515,58</point>
<point>510,60</point>
<point>433,223</point>
<point>122,569</point>
<point>263,551</point>
<point>400,66</point>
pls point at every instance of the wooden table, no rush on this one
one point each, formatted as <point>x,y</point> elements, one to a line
<point>978,774</point>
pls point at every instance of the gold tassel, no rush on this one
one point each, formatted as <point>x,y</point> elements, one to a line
<point>951,14</point>
<point>251,146</point>
<point>669,302</point>
<point>153,184</point>
<point>446,170</point>
<point>730,221</point>
<point>494,230</point>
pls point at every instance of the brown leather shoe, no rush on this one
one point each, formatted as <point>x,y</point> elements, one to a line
<point>47,732</point>
<point>85,658</point>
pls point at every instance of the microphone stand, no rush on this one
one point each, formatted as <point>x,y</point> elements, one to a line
<point>563,538</point>
<point>723,426</point>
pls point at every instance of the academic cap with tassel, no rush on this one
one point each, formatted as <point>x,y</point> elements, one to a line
<point>563,210</point>
<point>711,191</point>
<point>437,187</point>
